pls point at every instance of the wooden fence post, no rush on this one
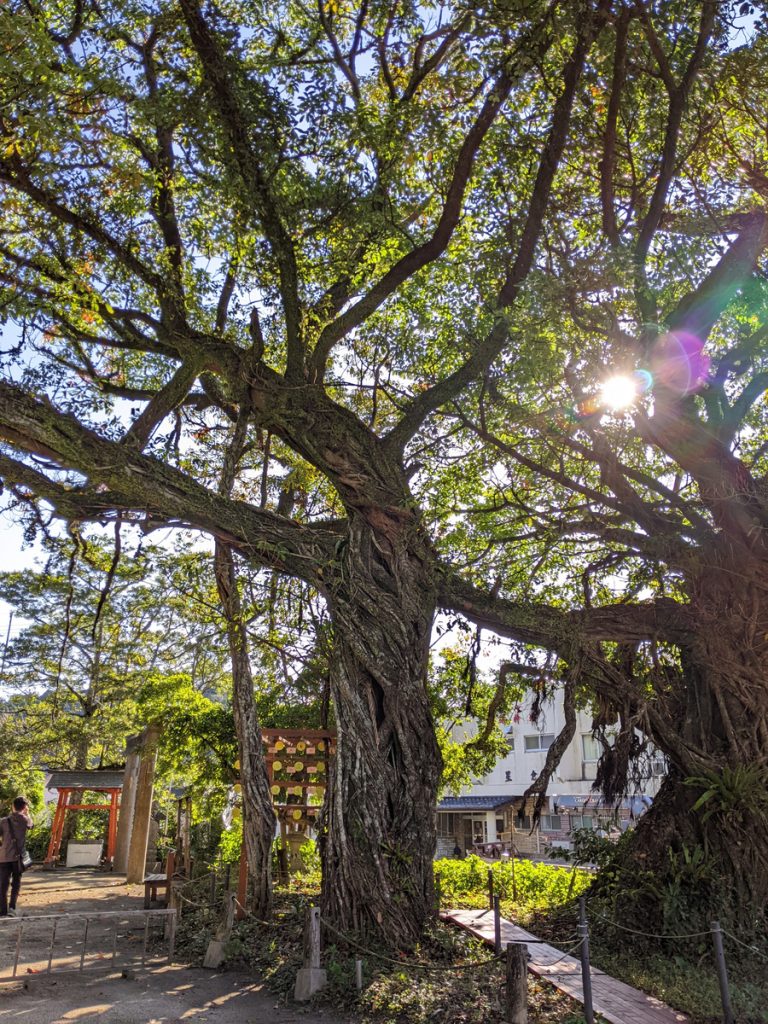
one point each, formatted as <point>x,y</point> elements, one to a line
<point>497,925</point>
<point>311,978</point>
<point>490,888</point>
<point>214,955</point>
<point>517,983</point>
<point>312,937</point>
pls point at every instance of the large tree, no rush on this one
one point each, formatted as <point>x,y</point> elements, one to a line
<point>90,632</point>
<point>350,248</point>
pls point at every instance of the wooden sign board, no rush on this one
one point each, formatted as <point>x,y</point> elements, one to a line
<point>298,761</point>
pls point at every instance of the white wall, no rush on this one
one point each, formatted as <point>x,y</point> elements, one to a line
<point>575,773</point>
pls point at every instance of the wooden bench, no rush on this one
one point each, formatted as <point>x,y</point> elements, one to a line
<point>160,880</point>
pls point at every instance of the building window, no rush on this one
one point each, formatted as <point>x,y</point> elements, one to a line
<point>499,826</point>
<point>479,830</point>
<point>551,823</point>
<point>582,821</point>
<point>445,824</point>
<point>658,767</point>
<point>590,747</point>
<point>523,824</point>
<point>539,741</point>
<point>509,736</point>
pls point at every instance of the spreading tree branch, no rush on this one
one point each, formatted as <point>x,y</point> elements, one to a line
<point>487,351</point>
<point>238,129</point>
<point>124,480</point>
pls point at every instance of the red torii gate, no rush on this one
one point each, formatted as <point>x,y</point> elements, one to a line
<point>71,786</point>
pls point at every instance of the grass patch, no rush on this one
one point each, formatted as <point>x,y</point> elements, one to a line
<point>691,986</point>
<point>399,993</point>
<point>686,979</point>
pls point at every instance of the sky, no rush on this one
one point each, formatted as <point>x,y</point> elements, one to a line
<point>14,555</point>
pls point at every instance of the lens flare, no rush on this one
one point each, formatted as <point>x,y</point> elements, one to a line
<point>619,392</point>
<point>679,363</point>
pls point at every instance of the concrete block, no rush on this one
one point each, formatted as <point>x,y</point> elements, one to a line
<point>309,980</point>
<point>214,955</point>
<point>85,854</point>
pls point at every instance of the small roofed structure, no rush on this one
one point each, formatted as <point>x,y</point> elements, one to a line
<point>71,786</point>
<point>475,823</point>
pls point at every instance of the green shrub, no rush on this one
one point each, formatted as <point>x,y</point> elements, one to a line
<point>231,843</point>
<point>312,873</point>
<point>535,886</point>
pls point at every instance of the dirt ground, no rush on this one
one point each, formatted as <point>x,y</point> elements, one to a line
<point>159,993</point>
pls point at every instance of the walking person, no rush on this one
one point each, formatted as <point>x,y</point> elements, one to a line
<point>13,835</point>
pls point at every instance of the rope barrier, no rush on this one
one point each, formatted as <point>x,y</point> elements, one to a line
<point>746,945</point>
<point>568,952</point>
<point>265,924</point>
<point>648,935</point>
<point>412,963</point>
<point>200,906</point>
<point>183,882</point>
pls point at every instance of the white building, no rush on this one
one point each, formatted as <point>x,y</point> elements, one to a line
<point>490,812</point>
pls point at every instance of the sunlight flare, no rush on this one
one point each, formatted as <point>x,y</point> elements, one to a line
<point>619,392</point>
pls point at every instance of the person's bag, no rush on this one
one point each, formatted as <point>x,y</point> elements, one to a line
<point>25,859</point>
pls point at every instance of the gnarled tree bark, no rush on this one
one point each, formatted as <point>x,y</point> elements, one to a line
<point>379,835</point>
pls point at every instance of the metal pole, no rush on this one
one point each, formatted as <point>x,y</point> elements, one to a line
<point>146,942</point>
<point>722,973</point>
<point>359,975</point>
<point>586,977</point>
<point>490,888</point>
<point>496,925</point>
<point>53,940</point>
<point>85,941</point>
<point>18,948</point>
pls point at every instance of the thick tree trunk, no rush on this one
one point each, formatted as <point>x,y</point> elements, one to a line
<point>258,812</point>
<point>679,871</point>
<point>379,836</point>
<point>712,860</point>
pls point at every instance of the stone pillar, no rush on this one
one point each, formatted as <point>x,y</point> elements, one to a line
<point>127,802</point>
<point>142,810</point>
<point>295,861</point>
<point>154,831</point>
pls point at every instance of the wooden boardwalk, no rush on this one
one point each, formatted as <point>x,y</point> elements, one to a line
<point>613,1000</point>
